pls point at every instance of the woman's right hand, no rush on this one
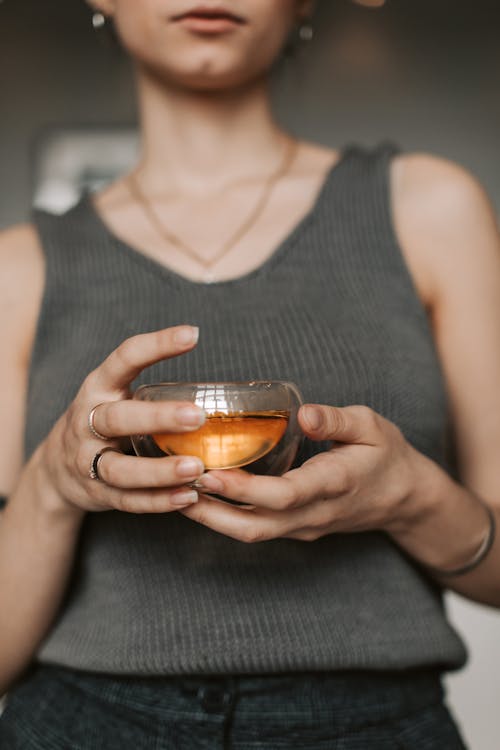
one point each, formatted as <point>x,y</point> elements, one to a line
<point>127,483</point>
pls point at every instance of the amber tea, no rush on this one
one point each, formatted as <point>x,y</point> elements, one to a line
<point>228,440</point>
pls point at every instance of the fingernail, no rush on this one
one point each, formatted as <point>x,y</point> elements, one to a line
<point>312,417</point>
<point>210,483</point>
<point>189,467</point>
<point>184,498</point>
<point>187,335</point>
<point>191,416</point>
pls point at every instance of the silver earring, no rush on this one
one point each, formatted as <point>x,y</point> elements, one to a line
<point>306,32</point>
<point>98,20</point>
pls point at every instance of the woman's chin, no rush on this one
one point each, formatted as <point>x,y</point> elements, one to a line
<point>200,80</point>
<point>201,83</point>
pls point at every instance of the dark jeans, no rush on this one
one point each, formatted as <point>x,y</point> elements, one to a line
<point>60,709</point>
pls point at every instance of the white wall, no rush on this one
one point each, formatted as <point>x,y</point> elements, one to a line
<point>473,692</point>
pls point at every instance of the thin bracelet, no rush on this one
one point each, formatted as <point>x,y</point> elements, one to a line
<point>3,502</point>
<point>479,556</point>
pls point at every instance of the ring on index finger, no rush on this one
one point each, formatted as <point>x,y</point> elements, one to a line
<point>94,466</point>
<point>90,423</point>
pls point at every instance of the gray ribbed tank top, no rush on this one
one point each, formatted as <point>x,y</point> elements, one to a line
<point>335,310</point>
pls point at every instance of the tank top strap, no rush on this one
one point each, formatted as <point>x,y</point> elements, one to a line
<point>366,172</point>
<point>362,207</point>
<point>362,190</point>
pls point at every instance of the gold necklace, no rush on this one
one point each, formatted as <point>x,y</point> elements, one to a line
<point>174,239</point>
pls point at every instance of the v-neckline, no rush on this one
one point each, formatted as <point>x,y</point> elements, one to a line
<point>159,268</point>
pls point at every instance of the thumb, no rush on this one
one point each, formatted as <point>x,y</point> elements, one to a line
<point>346,424</point>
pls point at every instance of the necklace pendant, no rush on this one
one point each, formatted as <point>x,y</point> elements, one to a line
<point>209,277</point>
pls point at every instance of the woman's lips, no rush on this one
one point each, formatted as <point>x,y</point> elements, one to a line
<point>215,23</point>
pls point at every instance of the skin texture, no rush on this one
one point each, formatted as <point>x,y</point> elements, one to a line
<point>209,139</point>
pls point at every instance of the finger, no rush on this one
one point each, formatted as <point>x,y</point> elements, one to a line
<point>124,418</point>
<point>127,361</point>
<point>346,424</point>
<point>323,475</point>
<point>244,525</point>
<point>134,472</point>
<point>151,501</point>
<point>236,484</point>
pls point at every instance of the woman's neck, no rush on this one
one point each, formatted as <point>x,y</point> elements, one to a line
<point>191,140</point>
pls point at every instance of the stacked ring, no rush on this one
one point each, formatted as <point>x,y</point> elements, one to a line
<point>92,429</point>
<point>94,466</point>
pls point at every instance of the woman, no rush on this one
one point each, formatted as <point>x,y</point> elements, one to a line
<point>313,617</point>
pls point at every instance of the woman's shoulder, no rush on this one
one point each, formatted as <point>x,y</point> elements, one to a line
<point>21,286</point>
<point>432,183</point>
<point>21,259</point>
<point>21,256</point>
<point>442,213</point>
<point>18,233</point>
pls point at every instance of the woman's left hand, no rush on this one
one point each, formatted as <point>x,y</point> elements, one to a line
<point>364,481</point>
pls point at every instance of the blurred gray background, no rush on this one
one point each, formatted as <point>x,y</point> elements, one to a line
<point>425,73</point>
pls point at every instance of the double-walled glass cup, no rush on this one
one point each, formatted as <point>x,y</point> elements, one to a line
<point>251,425</point>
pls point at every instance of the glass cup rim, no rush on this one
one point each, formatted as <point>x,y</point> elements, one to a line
<point>162,384</point>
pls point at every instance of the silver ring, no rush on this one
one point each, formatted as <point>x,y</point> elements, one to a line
<point>94,466</point>
<point>92,429</point>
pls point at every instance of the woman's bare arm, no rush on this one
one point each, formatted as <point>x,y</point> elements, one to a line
<point>21,289</point>
<point>37,535</point>
<point>449,233</point>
